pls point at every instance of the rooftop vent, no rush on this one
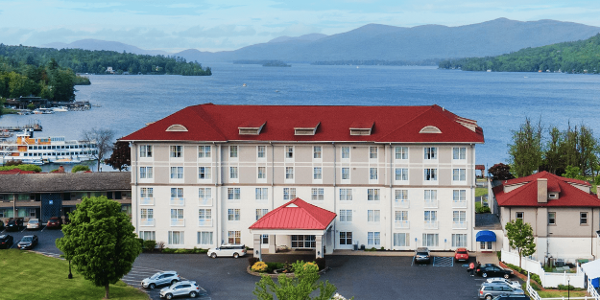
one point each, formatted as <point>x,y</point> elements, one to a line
<point>430,129</point>
<point>306,130</point>
<point>176,128</point>
<point>251,130</point>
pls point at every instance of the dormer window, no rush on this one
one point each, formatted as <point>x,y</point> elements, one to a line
<point>361,128</point>
<point>251,129</point>
<point>430,129</point>
<point>177,128</point>
<point>306,130</point>
<point>553,195</point>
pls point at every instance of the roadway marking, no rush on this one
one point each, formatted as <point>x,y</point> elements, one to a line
<point>443,261</point>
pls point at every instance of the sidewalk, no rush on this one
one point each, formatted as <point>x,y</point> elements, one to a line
<point>483,258</point>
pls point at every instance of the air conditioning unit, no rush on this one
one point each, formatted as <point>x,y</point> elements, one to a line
<point>560,262</point>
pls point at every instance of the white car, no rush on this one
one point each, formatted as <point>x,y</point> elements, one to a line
<point>513,284</point>
<point>160,278</point>
<point>182,288</point>
<point>234,251</point>
<point>33,224</point>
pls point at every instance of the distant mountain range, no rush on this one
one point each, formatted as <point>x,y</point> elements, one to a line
<point>93,44</point>
<point>382,42</point>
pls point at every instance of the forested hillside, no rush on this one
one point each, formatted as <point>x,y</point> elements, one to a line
<point>570,57</point>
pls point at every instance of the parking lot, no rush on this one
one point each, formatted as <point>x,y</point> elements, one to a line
<point>364,277</point>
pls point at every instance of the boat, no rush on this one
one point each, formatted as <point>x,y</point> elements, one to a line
<point>60,109</point>
<point>4,134</point>
<point>39,151</point>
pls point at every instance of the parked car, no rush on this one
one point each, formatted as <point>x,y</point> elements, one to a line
<point>183,288</point>
<point>227,250</point>
<point>491,270</point>
<point>1,225</point>
<point>512,297</point>
<point>28,242</point>
<point>422,255</point>
<point>461,254</point>
<point>33,224</point>
<point>160,278</point>
<point>54,222</point>
<point>14,224</point>
<point>514,284</point>
<point>490,290</point>
<point>6,241</point>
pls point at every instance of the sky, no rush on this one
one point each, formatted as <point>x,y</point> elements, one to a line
<point>221,25</point>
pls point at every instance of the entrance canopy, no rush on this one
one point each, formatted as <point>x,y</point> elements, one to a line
<point>485,236</point>
<point>297,217</point>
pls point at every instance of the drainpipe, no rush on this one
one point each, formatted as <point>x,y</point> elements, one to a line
<point>592,236</point>
<point>391,172</point>
<point>272,176</point>
<point>217,197</point>
<point>135,185</point>
<point>334,188</point>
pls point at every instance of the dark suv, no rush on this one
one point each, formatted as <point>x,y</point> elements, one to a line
<point>6,241</point>
<point>422,255</point>
<point>14,224</point>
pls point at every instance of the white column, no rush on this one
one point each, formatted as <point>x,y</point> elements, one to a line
<point>319,246</point>
<point>257,250</point>
<point>272,243</point>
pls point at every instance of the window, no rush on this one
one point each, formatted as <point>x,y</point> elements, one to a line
<point>345,173</point>
<point>317,194</point>
<point>260,212</point>
<point>233,172</point>
<point>459,195</point>
<point>233,214</point>
<point>203,151</point>
<point>233,193</point>
<point>176,192</point>
<point>459,174</point>
<point>289,194</point>
<point>204,194</point>
<point>289,151</point>
<point>262,173</point>
<point>345,194</point>
<point>346,238</point>
<point>233,151</point>
<point>260,151</point>
<point>551,218</point>
<point>145,150</point>
<point>177,217</point>
<point>175,237</point>
<point>430,218</point>
<point>373,216</point>
<point>459,153</point>
<point>204,216</point>
<point>264,239</point>
<point>459,219</point>
<point>289,172</point>
<point>147,192</point>
<point>402,174</point>
<point>146,172</point>
<point>345,215</point>
<point>401,197</point>
<point>205,237</point>
<point>318,173</point>
<point>345,152</point>
<point>304,241</point>
<point>401,152</point>
<point>234,237</point>
<point>373,152</point>
<point>401,239</point>
<point>147,214</point>
<point>519,215</point>
<point>147,235</point>
<point>176,172</point>
<point>401,218</point>
<point>430,239</point>
<point>430,197</point>
<point>175,151</point>
<point>203,172</point>
<point>459,240</point>
<point>262,194</point>
<point>373,194</point>
<point>373,238</point>
<point>583,218</point>
<point>430,153</point>
<point>317,152</point>
<point>430,175</point>
<point>373,173</point>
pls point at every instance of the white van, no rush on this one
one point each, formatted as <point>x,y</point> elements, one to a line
<point>227,250</point>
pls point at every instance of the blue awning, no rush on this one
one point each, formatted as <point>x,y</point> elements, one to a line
<point>485,236</point>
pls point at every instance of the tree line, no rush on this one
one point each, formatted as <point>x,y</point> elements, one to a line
<point>569,57</point>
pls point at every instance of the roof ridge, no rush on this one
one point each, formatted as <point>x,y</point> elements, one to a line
<point>309,213</point>
<point>407,122</point>
<point>203,114</point>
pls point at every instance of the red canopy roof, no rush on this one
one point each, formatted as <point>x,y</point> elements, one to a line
<point>209,122</point>
<point>296,214</point>
<point>526,195</point>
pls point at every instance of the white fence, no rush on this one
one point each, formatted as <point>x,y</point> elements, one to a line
<point>534,295</point>
<point>549,280</point>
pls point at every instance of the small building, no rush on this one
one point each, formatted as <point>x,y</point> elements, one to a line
<point>45,195</point>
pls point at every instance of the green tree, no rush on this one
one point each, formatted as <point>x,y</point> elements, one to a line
<point>101,241</point>
<point>500,171</point>
<point>121,156</point>
<point>520,237</point>
<point>298,288</point>
<point>79,168</point>
<point>553,158</point>
<point>526,150</point>
<point>573,172</point>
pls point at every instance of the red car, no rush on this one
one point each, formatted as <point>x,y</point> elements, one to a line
<point>54,222</point>
<point>461,254</point>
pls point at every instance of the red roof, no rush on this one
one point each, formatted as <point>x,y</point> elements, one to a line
<point>209,122</point>
<point>526,195</point>
<point>296,214</point>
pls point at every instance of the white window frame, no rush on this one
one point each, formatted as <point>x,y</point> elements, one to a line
<point>233,193</point>
<point>317,174</point>
<point>430,153</point>
<point>317,153</point>
<point>430,175</point>
<point>373,152</point>
<point>204,196</point>
<point>401,175</point>
<point>204,217</point>
<point>261,173</point>
<point>176,238</point>
<point>204,152</point>
<point>233,174</point>
<point>345,194</point>
<point>459,240</point>
<point>233,152</point>
<point>317,194</point>
<point>373,195</point>
<point>430,240</point>
<point>401,153</point>
<point>373,216</point>
<point>459,153</point>
<point>234,237</point>
<point>145,151</point>
<point>177,217</point>
<point>147,235</point>
<point>261,152</point>
<point>204,173</point>
<point>345,153</point>
<point>261,212</point>
<point>401,239</point>
<point>175,152</point>
<point>459,175</point>
<point>289,194</point>
<point>205,238</point>
<point>146,173</point>
<point>288,153</point>
<point>345,215</point>
<point>261,194</point>
<point>176,173</point>
<point>289,174</point>
<point>347,178</point>
<point>233,214</point>
<point>373,238</point>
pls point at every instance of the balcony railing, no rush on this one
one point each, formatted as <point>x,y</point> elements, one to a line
<point>177,201</point>
<point>459,224</point>
<point>147,222</point>
<point>205,222</point>
<point>430,204</point>
<point>177,222</point>
<point>459,204</point>
<point>147,201</point>
<point>205,201</point>
<point>431,225</point>
<point>402,224</point>
<point>402,203</point>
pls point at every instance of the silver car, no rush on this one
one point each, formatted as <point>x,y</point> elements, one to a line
<point>514,284</point>
<point>490,290</point>
<point>161,278</point>
<point>183,288</point>
<point>33,224</point>
<point>422,255</point>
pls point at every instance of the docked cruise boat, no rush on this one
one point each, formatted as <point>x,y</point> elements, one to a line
<point>39,151</point>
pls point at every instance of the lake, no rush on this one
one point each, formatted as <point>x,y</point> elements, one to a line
<point>499,102</point>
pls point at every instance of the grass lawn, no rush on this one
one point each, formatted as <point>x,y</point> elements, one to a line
<point>27,275</point>
<point>480,192</point>
<point>558,294</point>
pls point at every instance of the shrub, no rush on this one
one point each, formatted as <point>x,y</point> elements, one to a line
<point>141,241</point>
<point>536,278</point>
<point>564,287</point>
<point>321,263</point>
<point>183,251</point>
<point>252,261</point>
<point>161,246</point>
<point>149,245</point>
<point>202,251</point>
<point>8,167</point>
<point>310,265</point>
<point>480,209</point>
<point>78,168</point>
<point>382,248</point>
<point>260,267</point>
<point>274,266</point>
<point>168,250</point>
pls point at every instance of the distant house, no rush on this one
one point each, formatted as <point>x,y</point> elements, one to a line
<point>110,70</point>
<point>563,212</point>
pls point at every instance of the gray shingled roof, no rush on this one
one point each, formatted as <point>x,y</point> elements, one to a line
<point>64,182</point>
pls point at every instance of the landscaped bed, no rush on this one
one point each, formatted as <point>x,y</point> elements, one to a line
<point>274,269</point>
